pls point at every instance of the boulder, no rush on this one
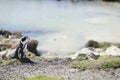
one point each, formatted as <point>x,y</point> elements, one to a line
<point>3,54</point>
<point>17,34</point>
<point>7,54</point>
<point>32,47</point>
<point>9,44</point>
<point>12,42</point>
<point>10,53</point>
<point>90,53</point>
<point>113,51</point>
<point>4,47</point>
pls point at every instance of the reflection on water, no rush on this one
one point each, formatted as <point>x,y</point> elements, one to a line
<point>62,26</point>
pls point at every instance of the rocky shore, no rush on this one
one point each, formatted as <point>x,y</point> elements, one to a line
<point>9,41</point>
<point>91,69</point>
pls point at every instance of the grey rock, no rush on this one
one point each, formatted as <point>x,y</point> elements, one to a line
<point>32,47</point>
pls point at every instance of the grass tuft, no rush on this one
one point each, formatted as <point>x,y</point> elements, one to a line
<point>40,77</point>
<point>8,62</point>
<point>104,62</point>
<point>81,58</point>
<point>111,64</point>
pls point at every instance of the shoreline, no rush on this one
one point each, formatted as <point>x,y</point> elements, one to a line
<point>79,68</point>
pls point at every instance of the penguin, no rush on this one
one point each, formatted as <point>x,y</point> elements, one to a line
<point>19,54</point>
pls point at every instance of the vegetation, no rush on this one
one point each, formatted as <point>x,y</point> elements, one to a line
<point>81,58</point>
<point>78,65</point>
<point>41,77</point>
<point>12,61</point>
<point>7,62</point>
<point>111,64</point>
<point>103,45</point>
<point>92,43</point>
<point>104,63</point>
<point>38,57</point>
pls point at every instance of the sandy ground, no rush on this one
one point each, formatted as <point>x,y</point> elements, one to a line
<point>57,67</point>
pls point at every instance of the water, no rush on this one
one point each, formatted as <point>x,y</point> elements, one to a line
<point>61,27</point>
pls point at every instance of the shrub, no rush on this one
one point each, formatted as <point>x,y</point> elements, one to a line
<point>92,43</point>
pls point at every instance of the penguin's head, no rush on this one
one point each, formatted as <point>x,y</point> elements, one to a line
<point>24,38</point>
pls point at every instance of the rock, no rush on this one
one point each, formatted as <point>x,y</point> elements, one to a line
<point>32,47</point>
<point>10,53</point>
<point>7,54</point>
<point>8,34</point>
<point>4,47</point>
<point>17,34</point>
<point>3,54</point>
<point>12,42</point>
<point>9,44</point>
<point>113,51</point>
<point>90,53</point>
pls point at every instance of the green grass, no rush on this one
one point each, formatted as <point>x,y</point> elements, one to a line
<point>78,65</point>
<point>103,63</point>
<point>81,58</point>
<point>41,77</point>
<point>111,64</point>
<point>8,62</point>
